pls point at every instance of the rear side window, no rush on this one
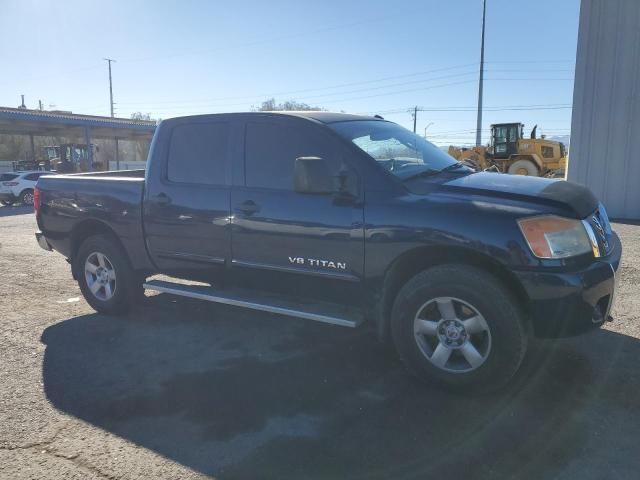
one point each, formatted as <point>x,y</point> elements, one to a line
<point>5,177</point>
<point>547,152</point>
<point>198,153</point>
<point>271,151</point>
<point>32,176</point>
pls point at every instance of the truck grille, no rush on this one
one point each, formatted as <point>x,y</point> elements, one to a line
<point>599,221</point>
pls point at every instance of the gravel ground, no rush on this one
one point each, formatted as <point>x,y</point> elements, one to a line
<point>184,389</point>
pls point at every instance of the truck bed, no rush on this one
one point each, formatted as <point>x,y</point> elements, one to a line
<point>113,200</point>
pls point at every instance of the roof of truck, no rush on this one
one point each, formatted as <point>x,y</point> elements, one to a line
<point>328,117</point>
<point>323,117</point>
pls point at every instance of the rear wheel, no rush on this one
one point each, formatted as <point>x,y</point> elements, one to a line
<point>106,279</point>
<point>26,197</point>
<point>524,167</point>
<point>6,203</point>
<point>458,325</point>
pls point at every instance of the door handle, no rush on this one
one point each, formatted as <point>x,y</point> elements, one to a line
<point>162,198</point>
<point>248,208</point>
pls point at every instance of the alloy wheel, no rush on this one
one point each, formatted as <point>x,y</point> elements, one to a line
<point>100,276</point>
<point>452,334</point>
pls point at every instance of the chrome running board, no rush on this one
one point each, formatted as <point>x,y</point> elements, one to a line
<point>316,311</point>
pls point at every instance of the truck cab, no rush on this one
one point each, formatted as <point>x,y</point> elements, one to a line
<point>504,139</point>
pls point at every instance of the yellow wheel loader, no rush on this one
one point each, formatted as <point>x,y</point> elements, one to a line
<point>510,152</point>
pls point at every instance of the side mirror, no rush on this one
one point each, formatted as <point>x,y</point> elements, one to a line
<point>311,175</point>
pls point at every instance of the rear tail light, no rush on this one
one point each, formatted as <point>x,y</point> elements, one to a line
<point>10,184</point>
<point>36,199</point>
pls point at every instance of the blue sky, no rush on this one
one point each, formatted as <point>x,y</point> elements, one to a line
<point>186,57</point>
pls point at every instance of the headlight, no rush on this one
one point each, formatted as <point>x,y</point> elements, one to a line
<point>551,236</point>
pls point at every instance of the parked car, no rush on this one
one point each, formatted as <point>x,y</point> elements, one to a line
<point>346,220</point>
<point>18,186</point>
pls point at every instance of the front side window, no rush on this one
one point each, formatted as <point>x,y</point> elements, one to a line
<point>32,177</point>
<point>272,149</point>
<point>505,134</point>
<point>399,151</point>
<point>500,134</point>
<point>198,153</point>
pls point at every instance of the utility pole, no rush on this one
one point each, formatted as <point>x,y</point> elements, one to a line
<point>481,82</point>
<point>415,118</point>
<point>109,60</point>
<point>40,104</point>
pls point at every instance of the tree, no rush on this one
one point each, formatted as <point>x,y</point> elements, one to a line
<point>144,116</point>
<point>270,105</point>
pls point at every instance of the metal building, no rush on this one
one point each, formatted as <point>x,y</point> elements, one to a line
<point>605,128</point>
<point>33,123</point>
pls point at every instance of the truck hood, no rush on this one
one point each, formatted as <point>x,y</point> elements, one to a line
<point>555,193</point>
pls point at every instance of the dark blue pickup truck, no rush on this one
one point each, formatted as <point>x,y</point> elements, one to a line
<point>346,220</point>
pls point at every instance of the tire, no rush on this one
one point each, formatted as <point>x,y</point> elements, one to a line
<point>26,197</point>
<point>497,334</point>
<point>116,285</point>
<point>6,203</point>
<point>524,167</point>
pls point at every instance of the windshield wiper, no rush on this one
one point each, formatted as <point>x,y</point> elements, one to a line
<point>431,171</point>
<point>453,166</point>
<point>423,173</point>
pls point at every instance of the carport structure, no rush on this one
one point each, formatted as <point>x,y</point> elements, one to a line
<point>32,123</point>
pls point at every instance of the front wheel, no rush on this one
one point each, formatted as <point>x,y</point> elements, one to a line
<point>106,279</point>
<point>460,326</point>
<point>6,203</point>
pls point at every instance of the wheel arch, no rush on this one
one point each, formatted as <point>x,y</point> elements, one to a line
<point>419,259</point>
<point>88,228</point>
<point>25,189</point>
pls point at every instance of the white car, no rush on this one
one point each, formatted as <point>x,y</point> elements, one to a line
<point>18,186</point>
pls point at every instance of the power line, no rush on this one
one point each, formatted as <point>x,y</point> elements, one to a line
<point>278,38</point>
<point>292,92</point>
<point>493,108</point>
<point>206,106</point>
<point>347,99</point>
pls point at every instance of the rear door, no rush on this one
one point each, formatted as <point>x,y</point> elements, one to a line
<point>304,245</point>
<point>186,211</point>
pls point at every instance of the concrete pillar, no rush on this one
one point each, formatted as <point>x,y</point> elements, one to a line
<point>117,155</point>
<point>87,141</point>
<point>33,148</point>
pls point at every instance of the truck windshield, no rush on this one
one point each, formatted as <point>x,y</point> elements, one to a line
<point>401,152</point>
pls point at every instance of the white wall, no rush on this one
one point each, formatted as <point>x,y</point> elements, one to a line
<point>605,128</point>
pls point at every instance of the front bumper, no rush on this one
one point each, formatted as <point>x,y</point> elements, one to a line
<point>568,303</point>
<point>42,241</point>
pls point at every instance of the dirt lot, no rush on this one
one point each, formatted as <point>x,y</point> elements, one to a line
<point>184,389</point>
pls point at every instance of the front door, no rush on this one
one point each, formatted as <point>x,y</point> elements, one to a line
<point>304,245</point>
<point>187,207</point>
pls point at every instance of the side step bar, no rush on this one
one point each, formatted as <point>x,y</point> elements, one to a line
<point>317,311</point>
